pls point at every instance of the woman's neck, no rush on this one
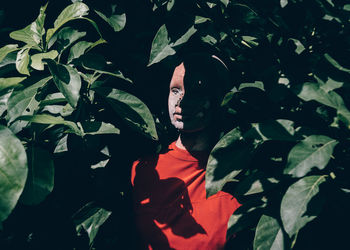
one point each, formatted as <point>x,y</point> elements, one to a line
<point>196,141</point>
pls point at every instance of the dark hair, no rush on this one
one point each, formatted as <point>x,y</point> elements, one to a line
<point>214,72</point>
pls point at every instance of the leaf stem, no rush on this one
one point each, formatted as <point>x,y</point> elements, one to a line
<point>294,240</point>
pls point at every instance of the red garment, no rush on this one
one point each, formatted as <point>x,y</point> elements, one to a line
<point>171,208</point>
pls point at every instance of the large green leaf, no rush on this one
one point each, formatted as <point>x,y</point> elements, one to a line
<point>97,128</point>
<point>52,120</point>
<point>254,183</point>
<point>314,91</point>
<point>246,216</point>
<point>3,101</point>
<point>227,159</point>
<point>4,51</point>
<point>116,21</point>
<point>131,109</point>
<point>65,37</point>
<point>40,181</point>
<point>37,62</point>
<point>301,203</point>
<point>13,171</point>
<point>313,151</point>
<point>22,61</point>
<point>162,46</point>
<point>26,35</point>
<point>93,61</point>
<point>32,34</point>
<point>90,218</point>
<point>10,82</point>
<point>280,130</point>
<point>332,61</point>
<point>330,84</point>
<point>71,12</point>
<point>78,50</point>
<point>185,37</point>
<point>23,102</point>
<point>62,145</point>
<point>225,2</point>
<point>268,234</point>
<point>67,80</point>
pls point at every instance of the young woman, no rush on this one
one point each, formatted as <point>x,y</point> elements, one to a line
<point>172,211</point>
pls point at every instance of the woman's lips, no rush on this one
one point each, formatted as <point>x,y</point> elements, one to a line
<point>178,116</point>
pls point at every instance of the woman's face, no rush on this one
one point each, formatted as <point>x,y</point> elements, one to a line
<point>190,103</point>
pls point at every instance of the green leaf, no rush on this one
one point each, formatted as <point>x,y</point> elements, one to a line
<point>283,3</point>
<point>97,128</point>
<point>32,34</point>
<point>246,216</point>
<point>299,46</point>
<point>40,181</point>
<point>90,218</point>
<point>184,38</point>
<point>227,159</point>
<point>62,145</point>
<point>3,101</point>
<point>332,61</point>
<point>98,42</point>
<point>330,84</point>
<point>71,12</point>
<point>313,151</point>
<point>116,74</point>
<point>22,61</point>
<point>256,84</point>
<point>279,130</point>
<point>13,171</point>
<point>313,91</point>
<point>26,35</point>
<point>268,234</point>
<point>23,102</point>
<point>170,4</point>
<point>52,120</point>
<point>92,225</point>
<point>4,51</point>
<point>209,39</point>
<point>8,63</point>
<point>63,110</point>
<point>93,61</point>
<point>65,37</point>
<point>37,62</point>
<point>225,2</point>
<point>201,19</point>
<point>131,109</point>
<point>78,50</point>
<point>117,22</point>
<point>67,80</point>
<point>254,183</point>
<point>95,26</point>
<point>10,82</point>
<point>160,46</point>
<point>346,7</point>
<point>250,40</point>
<point>301,203</point>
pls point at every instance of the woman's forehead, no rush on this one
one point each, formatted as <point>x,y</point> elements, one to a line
<point>188,77</point>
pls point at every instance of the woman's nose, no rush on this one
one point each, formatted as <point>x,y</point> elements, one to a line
<point>180,100</point>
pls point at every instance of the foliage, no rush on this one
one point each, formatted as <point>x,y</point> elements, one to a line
<point>285,146</point>
<point>60,100</point>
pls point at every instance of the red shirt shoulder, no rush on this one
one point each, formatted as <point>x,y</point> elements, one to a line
<point>172,211</point>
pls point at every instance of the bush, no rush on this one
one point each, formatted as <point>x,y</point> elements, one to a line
<point>72,124</point>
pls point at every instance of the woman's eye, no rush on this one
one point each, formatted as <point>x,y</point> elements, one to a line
<point>175,91</point>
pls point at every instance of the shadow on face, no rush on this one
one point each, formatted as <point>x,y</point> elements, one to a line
<point>194,94</point>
